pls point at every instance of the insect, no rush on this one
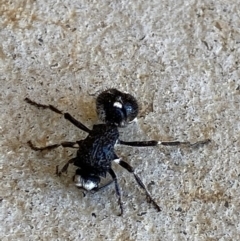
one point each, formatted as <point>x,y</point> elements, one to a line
<point>96,152</point>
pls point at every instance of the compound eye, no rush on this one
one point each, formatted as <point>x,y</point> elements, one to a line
<point>116,108</point>
<point>131,109</point>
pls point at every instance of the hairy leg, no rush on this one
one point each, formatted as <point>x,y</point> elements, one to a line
<point>164,143</point>
<point>50,147</point>
<point>65,167</point>
<point>114,177</point>
<point>66,115</point>
<point>139,181</point>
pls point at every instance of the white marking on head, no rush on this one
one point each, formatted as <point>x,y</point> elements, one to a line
<point>117,104</point>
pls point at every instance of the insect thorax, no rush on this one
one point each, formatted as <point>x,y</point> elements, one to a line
<point>96,152</point>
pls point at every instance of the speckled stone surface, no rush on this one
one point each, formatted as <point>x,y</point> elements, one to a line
<point>180,59</point>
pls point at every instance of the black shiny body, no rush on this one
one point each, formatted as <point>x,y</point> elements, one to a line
<point>96,152</point>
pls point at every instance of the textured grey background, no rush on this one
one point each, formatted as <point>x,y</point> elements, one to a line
<point>180,59</point>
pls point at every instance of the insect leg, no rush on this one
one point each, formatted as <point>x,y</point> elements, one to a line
<point>75,122</point>
<point>102,187</point>
<point>164,143</point>
<point>67,116</point>
<point>65,167</point>
<point>114,177</point>
<point>139,181</point>
<point>138,143</point>
<point>50,147</point>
